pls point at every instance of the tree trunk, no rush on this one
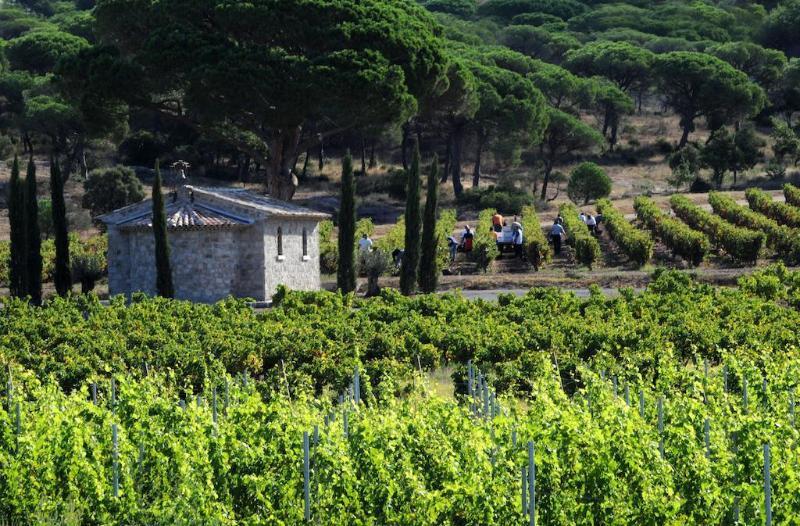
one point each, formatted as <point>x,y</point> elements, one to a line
<point>687,129</point>
<point>455,166</point>
<point>447,158</point>
<point>404,145</point>
<point>373,161</point>
<point>321,155</point>
<point>476,171</point>
<point>305,165</point>
<point>548,167</point>
<point>281,182</point>
<point>363,156</point>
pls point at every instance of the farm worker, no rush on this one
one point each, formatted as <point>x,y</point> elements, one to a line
<point>452,244</point>
<point>365,243</point>
<point>556,233</point>
<point>466,239</point>
<point>497,222</point>
<point>516,240</point>
<point>583,217</point>
<point>591,222</point>
<point>397,257</point>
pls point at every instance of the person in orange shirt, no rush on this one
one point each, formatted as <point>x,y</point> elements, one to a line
<point>497,222</point>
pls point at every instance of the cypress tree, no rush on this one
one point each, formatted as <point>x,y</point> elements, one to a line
<point>428,267</point>
<point>33,240</point>
<point>16,210</point>
<point>408,269</point>
<point>346,272</point>
<point>62,276</point>
<point>164,287</point>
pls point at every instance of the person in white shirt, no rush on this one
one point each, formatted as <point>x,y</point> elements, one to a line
<point>583,217</point>
<point>365,243</point>
<point>517,239</point>
<point>591,222</point>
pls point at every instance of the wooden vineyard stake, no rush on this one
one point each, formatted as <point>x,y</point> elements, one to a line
<point>531,484</point>
<point>306,477</point>
<point>115,460</point>
<point>767,487</point>
<point>661,425</point>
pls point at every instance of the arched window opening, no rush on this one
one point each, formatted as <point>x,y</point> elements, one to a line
<point>305,242</point>
<point>280,241</point>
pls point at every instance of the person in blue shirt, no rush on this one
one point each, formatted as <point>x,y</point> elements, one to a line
<point>557,233</point>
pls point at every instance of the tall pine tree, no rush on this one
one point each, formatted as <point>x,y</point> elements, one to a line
<point>408,269</point>
<point>16,219</point>
<point>33,240</point>
<point>164,287</point>
<point>62,276</point>
<point>428,267</point>
<point>346,272</point>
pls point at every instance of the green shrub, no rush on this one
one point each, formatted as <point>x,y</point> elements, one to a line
<point>587,249</point>
<point>784,240</point>
<point>507,200</point>
<point>588,182</point>
<point>683,241</point>
<point>636,244</point>
<point>537,249</point>
<point>739,243</point>
<point>783,213</point>
<point>107,189</point>
<point>484,245</point>
<point>792,194</point>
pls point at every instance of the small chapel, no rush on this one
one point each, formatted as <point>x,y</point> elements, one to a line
<point>223,242</point>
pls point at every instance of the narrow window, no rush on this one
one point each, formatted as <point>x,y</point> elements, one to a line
<point>305,242</point>
<point>280,241</point>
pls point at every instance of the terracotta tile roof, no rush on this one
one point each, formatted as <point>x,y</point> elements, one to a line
<point>187,215</point>
<point>197,207</point>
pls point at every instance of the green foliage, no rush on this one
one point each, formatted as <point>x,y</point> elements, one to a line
<point>462,8</point>
<point>328,249</point>
<point>537,248</point>
<point>346,268</point>
<point>718,155</point>
<point>679,238</point>
<point>565,134</point>
<point>588,182</point>
<point>413,217</point>
<point>780,29</point>
<point>698,85</point>
<point>164,285</point>
<point>785,142</point>
<point>636,244</point>
<point>685,165</point>
<point>107,189</point>
<point>484,244</point>
<point>508,200</point>
<point>40,51</point>
<point>764,66</point>
<point>739,243</point>
<point>792,194</point>
<point>587,249</point>
<point>61,276</point>
<point>428,263</point>
<point>564,9</point>
<point>538,42</point>
<point>783,213</point>
<point>340,56</point>
<point>784,240</point>
<point>625,64</point>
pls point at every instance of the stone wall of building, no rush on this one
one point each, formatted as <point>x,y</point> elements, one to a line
<point>211,264</point>
<point>294,268</point>
<point>207,264</point>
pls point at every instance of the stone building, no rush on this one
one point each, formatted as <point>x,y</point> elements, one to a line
<point>223,242</point>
